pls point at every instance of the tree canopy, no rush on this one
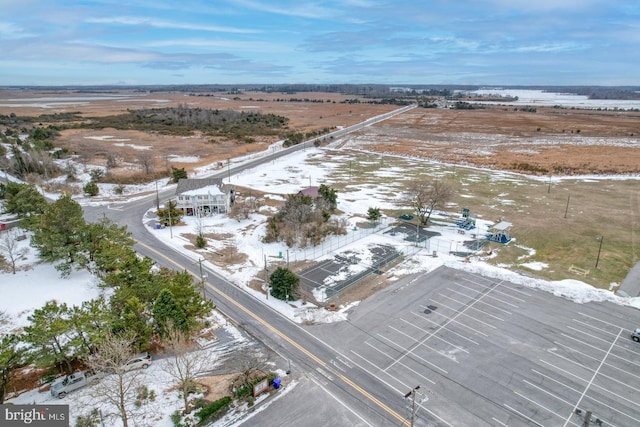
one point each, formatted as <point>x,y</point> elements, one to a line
<point>284,284</point>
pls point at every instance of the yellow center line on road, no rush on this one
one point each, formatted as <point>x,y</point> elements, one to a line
<point>289,340</point>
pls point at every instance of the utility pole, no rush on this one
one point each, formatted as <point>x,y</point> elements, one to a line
<point>599,249</point>
<point>412,393</point>
<point>567,208</point>
<point>202,276</point>
<point>170,222</point>
<point>157,196</point>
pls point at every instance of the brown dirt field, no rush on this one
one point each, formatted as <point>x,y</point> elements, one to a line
<point>569,141</point>
<point>558,141</point>
<point>129,146</point>
<point>218,386</point>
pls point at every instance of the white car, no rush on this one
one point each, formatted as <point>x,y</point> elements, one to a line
<point>142,360</point>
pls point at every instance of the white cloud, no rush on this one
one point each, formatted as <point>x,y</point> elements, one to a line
<point>9,30</point>
<point>159,23</point>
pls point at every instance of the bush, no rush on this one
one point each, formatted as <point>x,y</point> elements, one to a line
<point>214,409</point>
<point>201,242</point>
<point>91,420</point>
<point>96,174</point>
<point>91,189</point>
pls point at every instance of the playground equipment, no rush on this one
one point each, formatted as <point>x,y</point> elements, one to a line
<point>467,222</point>
<point>500,232</point>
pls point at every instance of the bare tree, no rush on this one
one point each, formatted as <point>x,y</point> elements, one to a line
<point>145,157</point>
<point>119,387</point>
<point>10,248</point>
<point>250,366</point>
<point>425,197</point>
<point>297,211</point>
<point>187,363</point>
<point>112,161</point>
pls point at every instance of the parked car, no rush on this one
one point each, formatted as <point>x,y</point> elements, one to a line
<point>142,360</point>
<point>61,387</point>
<point>635,335</point>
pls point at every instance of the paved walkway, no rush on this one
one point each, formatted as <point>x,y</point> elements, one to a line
<point>631,284</point>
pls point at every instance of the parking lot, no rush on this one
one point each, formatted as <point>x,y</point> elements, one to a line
<point>486,352</point>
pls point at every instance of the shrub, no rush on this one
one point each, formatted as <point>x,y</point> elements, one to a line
<point>96,174</point>
<point>214,409</point>
<point>91,189</point>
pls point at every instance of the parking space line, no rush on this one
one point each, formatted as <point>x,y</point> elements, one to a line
<point>582,334</point>
<point>600,320</point>
<point>474,308</point>
<point>448,330</point>
<point>598,348</point>
<point>591,398</point>
<point>382,369</point>
<point>555,381</point>
<point>462,313</point>
<point>592,370</point>
<point>539,405</point>
<point>418,343</point>
<point>409,352</point>
<point>597,371</point>
<point>493,297</point>
<point>435,336</point>
<point>571,374</point>
<point>523,415</point>
<point>400,392</point>
<point>546,392</point>
<point>626,372</point>
<point>593,327</point>
<point>500,292</point>
<point>484,302</point>
<point>499,422</point>
<point>405,366</point>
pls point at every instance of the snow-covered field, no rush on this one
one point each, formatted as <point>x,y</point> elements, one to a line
<point>549,99</point>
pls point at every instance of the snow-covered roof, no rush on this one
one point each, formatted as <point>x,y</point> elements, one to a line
<point>209,189</point>
<point>502,225</point>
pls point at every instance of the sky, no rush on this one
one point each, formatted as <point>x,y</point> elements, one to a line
<point>475,42</point>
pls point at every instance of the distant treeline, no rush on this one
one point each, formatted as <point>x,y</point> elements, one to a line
<point>363,90</point>
<point>180,120</point>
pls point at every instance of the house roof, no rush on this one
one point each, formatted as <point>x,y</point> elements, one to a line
<point>190,184</point>
<point>209,189</point>
<point>309,191</point>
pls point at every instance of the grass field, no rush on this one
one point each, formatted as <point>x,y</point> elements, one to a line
<point>556,222</point>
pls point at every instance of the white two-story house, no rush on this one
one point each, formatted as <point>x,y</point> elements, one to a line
<point>203,197</point>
